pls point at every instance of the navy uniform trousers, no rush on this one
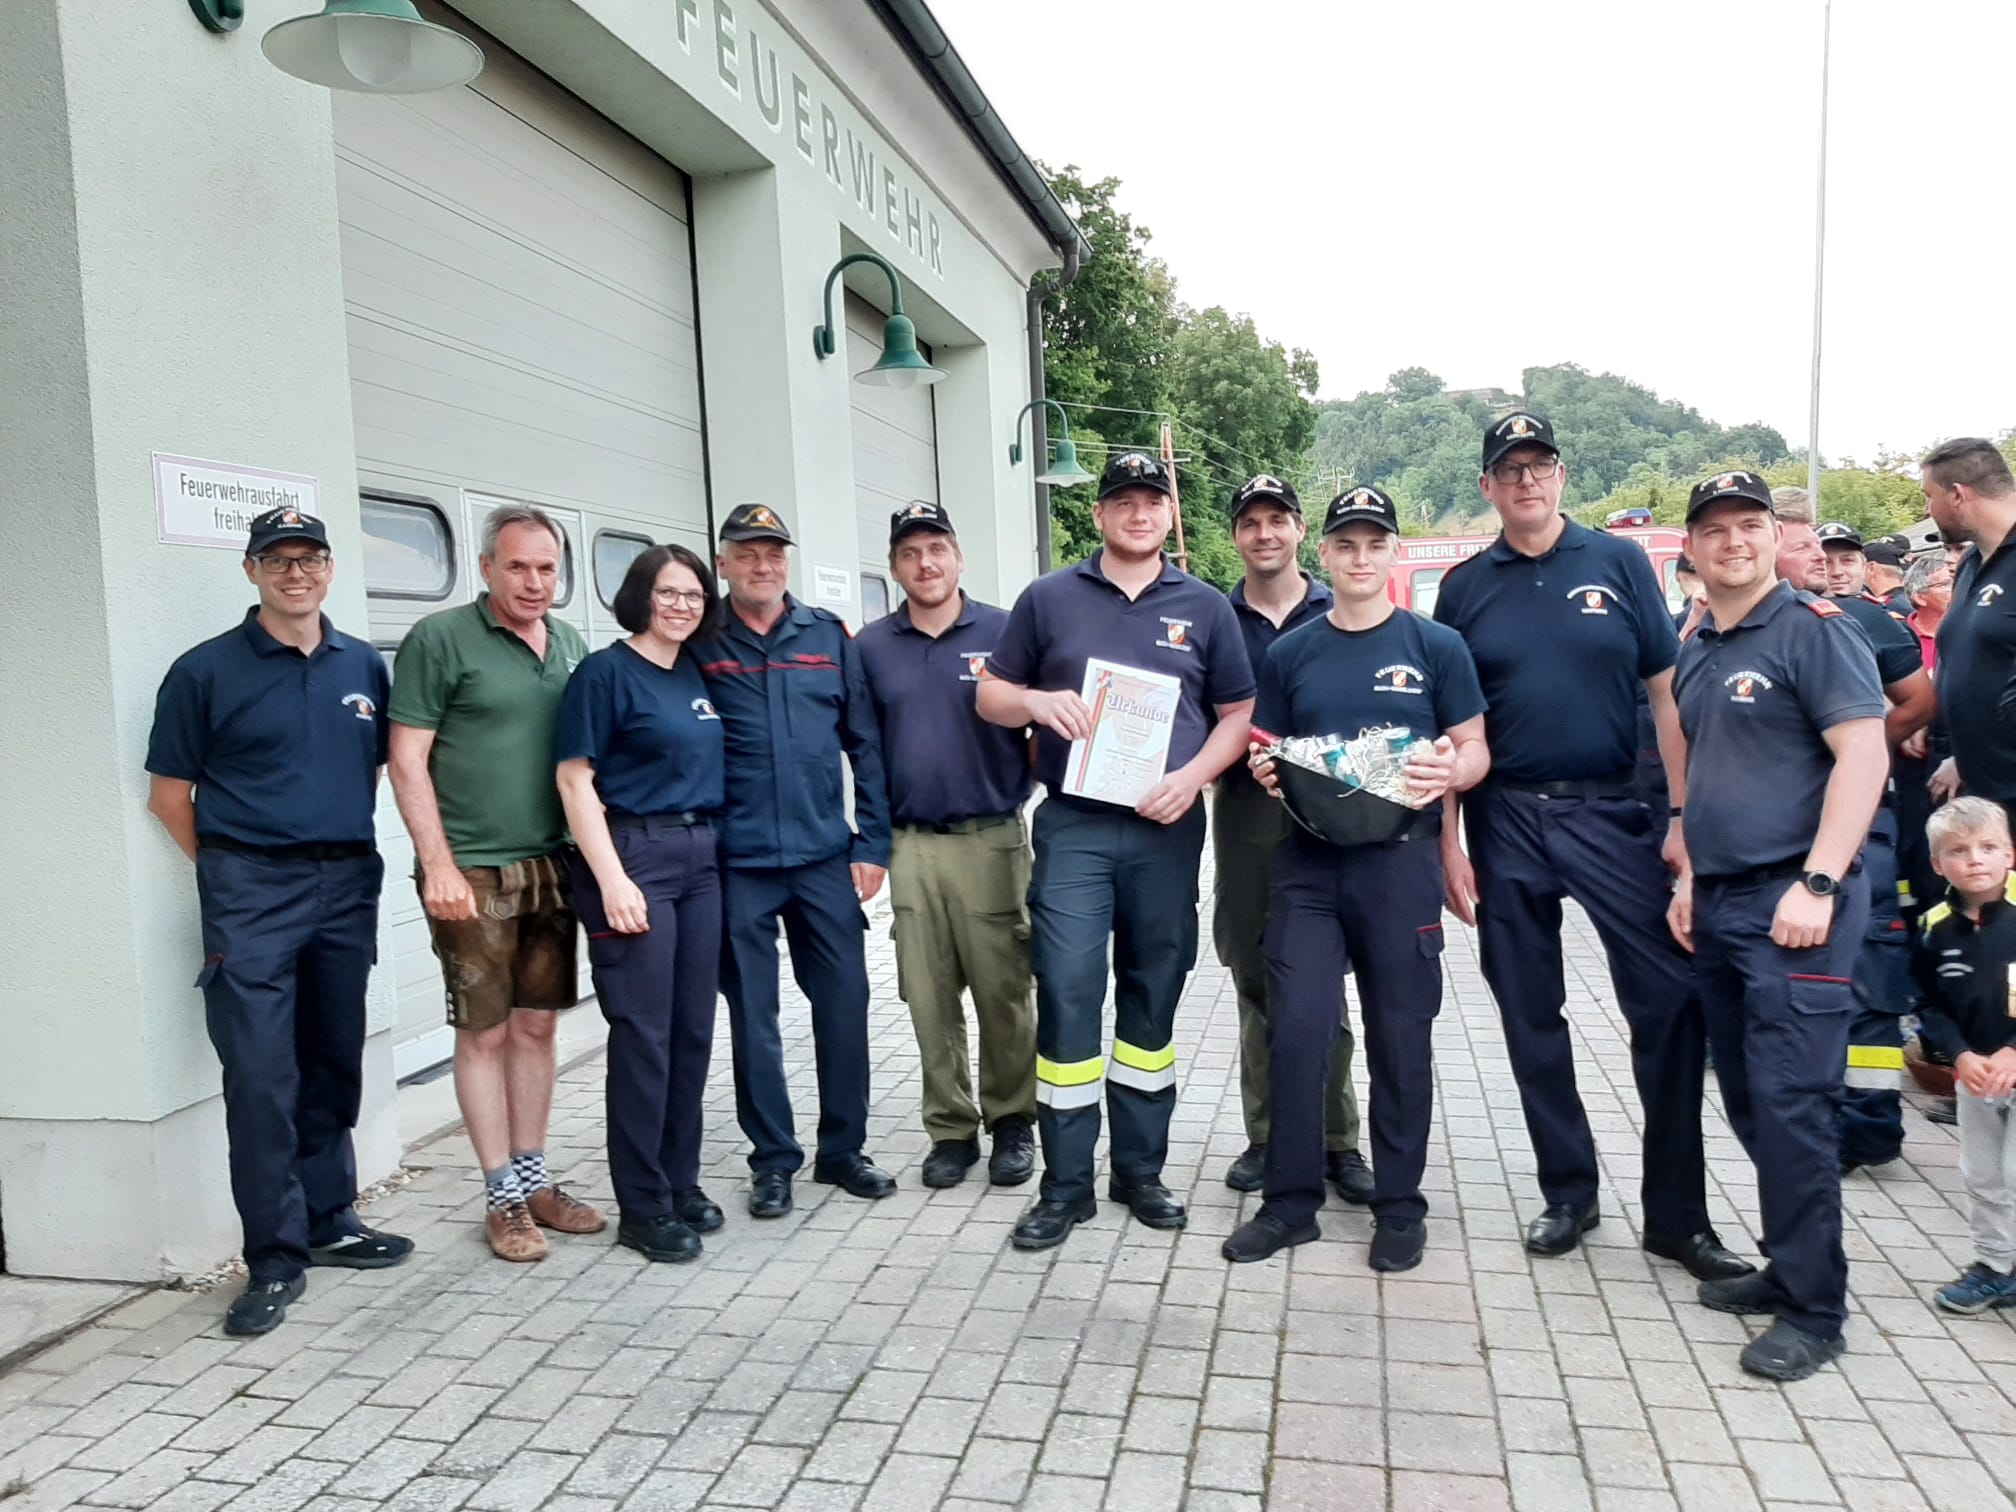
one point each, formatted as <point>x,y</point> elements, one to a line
<point>1530,851</point>
<point>1101,873</point>
<point>1376,909</point>
<point>1778,1022</point>
<point>289,946</point>
<point>657,990</point>
<point>823,920</point>
<point>1872,1104</point>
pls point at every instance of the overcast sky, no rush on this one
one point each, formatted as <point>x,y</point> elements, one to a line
<point>1474,187</point>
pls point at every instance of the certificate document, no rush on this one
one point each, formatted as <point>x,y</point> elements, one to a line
<point>1127,753</point>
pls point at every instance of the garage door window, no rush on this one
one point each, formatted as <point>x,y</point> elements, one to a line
<point>409,550</point>
<point>614,551</point>
<point>874,597</point>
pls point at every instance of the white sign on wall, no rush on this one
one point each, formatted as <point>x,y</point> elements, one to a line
<point>198,503</point>
<point>832,585</point>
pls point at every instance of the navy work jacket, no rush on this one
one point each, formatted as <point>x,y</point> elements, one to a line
<point>791,702</point>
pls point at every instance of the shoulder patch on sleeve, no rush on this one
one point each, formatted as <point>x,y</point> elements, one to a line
<point>1823,608</point>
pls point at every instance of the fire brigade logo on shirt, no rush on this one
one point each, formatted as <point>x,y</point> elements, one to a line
<point>976,666</point>
<point>1592,597</point>
<point>1988,595</point>
<point>1401,677</point>
<point>704,709</point>
<point>1175,633</point>
<point>1743,686</point>
<point>361,706</point>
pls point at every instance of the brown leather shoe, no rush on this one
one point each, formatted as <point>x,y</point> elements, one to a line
<point>554,1207</point>
<point>513,1234</point>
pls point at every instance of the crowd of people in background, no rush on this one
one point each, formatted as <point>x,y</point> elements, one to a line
<point>1832,723</point>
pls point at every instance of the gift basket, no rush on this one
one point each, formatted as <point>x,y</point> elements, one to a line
<point>1348,790</point>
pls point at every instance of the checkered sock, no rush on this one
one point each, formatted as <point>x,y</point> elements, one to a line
<point>502,1188</point>
<point>531,1168</point>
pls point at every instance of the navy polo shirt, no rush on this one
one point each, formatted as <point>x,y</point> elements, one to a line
<point>945,762</point>
<point>284,749</point>
<point>1178,626</point>
<point>1260,633</point>
<point>1977,672</point>
<point>1562,643</point>
<point>1754,701</point>
<point>1890,638</point>
<point>1406,671</point>
<point>650,732</point>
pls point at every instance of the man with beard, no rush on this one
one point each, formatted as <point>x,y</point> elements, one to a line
<point>959,858</point>
<point>1774,681</point>
<point>1972,498</point>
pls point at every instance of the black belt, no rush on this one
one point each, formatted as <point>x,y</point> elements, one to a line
<point>957,826</point>
<point>1620,785</point>
<point>685,818</point>
<point>334,850</point>
<point>1777,871</point>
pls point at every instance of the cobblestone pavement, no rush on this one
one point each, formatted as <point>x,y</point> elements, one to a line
<point>899,1355</point>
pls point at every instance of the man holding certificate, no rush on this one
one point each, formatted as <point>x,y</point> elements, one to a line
<point>1136,679</point>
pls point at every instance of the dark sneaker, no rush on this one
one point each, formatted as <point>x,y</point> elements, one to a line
<point>1979,1288</point>
<point>1150,1202</point>
<point>1263,1236</point>
<point>262,1306</point>
<point>1560,1228</point>
<point>667,1238</point>
<point>1942,1110</point>
<point>697,1210</point>
<point>1397,1244</point>
<point>1249,1172</point>
<point>1350,1175</point>
<point>1014,1159</point>
<point>1785,1353</point>
<point>1048,1224</point>
<point>949,1161</point>
<point>1751,1296</point>
<point>367,1249</point>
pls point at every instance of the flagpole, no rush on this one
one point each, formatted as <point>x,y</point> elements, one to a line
<point>1819,263</point>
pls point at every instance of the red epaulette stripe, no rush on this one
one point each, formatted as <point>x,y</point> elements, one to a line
<point>1822,608</point>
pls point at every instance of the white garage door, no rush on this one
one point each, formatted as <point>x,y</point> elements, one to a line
<point>895,454</point>
<point>518,280</point>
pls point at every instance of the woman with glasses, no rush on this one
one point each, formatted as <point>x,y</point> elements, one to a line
<point>641,777</point>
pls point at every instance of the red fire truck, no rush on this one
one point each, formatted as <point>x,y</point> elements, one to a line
<point>1417,577</point>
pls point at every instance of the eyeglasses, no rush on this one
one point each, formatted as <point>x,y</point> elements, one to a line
<point>312,563</point>
<point>1508,473</point>
<point>680,598</point>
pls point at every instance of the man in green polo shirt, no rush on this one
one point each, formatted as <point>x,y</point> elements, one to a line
<point>475,697</point>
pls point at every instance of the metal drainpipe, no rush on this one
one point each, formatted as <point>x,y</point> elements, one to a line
<point>1039,437</point>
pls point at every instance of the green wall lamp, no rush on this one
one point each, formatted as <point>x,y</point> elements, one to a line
<point>901,365</point>
<point>369,46</point>
<point>1065,471</point>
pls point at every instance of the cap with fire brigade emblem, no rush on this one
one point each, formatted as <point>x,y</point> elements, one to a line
<point>1133,469</point>
<point>1729,485</point>
<point>284,524</point>
<point>1514,431</point>
<point>755,522</point>
<point>1362,503</point>
<point>919,514</point>
<point>1265,488</point>
<point>1842,536</point>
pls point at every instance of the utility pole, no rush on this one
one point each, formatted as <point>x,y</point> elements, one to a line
<point>1819,264</point>
<point>1175,494</point>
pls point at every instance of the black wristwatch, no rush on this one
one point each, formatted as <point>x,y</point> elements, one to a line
<point>1820,884</point>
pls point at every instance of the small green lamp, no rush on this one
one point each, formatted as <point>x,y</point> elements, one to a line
<point>1064,472</point>
<point>901,365</point>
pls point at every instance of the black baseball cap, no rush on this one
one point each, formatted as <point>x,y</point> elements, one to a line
<point>1362,503</point>
<point>1516,430</point>
<point>1684,563</point>
<point>1729,485</point>
<point>919,514</point>
<point>1265,488</point>
<point>1884,552</point>
<point>1134,469</point>
<point>284,524</point>
<point>1834,533</point>
<point>755,522</point>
